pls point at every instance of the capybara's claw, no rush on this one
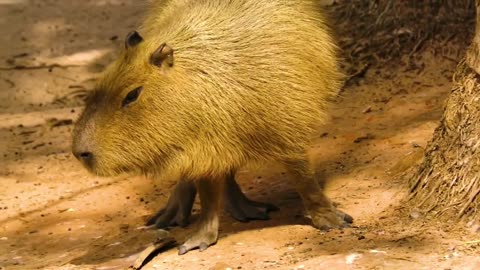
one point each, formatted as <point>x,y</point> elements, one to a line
<point>202,240</point>
<point>326,219</point>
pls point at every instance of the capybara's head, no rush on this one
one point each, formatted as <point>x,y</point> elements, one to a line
<point>122,128</point>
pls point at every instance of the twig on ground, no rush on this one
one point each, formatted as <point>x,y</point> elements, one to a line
<point>42,66</point>
<point>359,73</point>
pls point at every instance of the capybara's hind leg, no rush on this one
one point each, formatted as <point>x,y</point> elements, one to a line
<point>210,191</point>
<point>323,214</point>
<point>178,208</point>
<point>242,208</point>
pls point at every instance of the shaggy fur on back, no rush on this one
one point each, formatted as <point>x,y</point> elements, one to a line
<point>251,81</point>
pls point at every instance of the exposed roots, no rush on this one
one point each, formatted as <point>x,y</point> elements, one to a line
<point>447,183</point>
<point>399,33</point>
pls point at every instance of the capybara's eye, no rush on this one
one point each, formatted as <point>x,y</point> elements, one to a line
<point>131,96</point>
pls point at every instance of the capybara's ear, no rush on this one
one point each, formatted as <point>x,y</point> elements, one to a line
<point>133,39</point>
<point>162,56</point>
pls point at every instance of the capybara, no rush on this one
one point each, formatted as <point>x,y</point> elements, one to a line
<point>205,87</point>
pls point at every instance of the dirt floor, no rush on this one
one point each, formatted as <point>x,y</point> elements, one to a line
<point>54,215</point>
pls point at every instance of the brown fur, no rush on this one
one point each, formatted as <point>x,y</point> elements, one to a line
<point>251,81</point>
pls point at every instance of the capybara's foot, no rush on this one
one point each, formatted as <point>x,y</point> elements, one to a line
<point>321,210</point>
<point>245,209</point>
<point>330,218</point>
<point>178,208</point>
<point>242,208</point>
<point>210,192</point>
<point>169,217</point>
<point>202,239</point>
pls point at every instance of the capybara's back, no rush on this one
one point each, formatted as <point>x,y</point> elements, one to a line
<point>207,86</point>
<point>251,79</point>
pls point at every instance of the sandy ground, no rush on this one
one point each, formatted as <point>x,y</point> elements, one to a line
<point>54,215</point>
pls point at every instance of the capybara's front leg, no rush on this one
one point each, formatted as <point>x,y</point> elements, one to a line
<point>210,191</point>
<point>178,208</point>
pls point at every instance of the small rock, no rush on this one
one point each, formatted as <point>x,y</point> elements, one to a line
<point>375,251</point>
<point>220,266</point>
<point>415,214</point>
<point>475,228</point>
<point>415,145</point>
<point>350,259</point>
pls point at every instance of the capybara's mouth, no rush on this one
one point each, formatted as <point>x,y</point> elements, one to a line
<point>105,166</point>
<point>94,168</point>
<point>103,171</point>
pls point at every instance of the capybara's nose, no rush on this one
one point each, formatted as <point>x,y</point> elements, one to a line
<point>85,157</point>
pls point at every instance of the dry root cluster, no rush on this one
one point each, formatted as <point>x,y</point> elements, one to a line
<point>447,182</point>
